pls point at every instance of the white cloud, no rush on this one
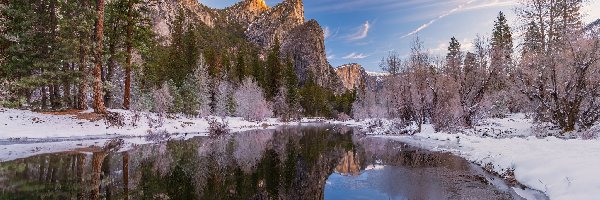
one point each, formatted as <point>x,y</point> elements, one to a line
<point>326,32</point>
<point>355,56</point>
<point>363,32</point>
<point>424,26</point>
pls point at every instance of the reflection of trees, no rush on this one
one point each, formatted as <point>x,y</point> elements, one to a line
<point>288,163</point>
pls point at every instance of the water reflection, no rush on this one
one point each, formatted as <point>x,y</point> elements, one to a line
<point>392,170</point>
<point>288,163</point>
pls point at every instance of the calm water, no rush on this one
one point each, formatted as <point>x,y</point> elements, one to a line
<point>323,162</point>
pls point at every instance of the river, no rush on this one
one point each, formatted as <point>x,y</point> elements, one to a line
<point>291,162</point>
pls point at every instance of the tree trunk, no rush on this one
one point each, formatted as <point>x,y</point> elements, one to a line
<point>129,45</point>
<point>98,100</point>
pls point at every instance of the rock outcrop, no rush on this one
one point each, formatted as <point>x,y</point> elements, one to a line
<point>246,12</point>
<point>305,44</point>
<point>353,76</point>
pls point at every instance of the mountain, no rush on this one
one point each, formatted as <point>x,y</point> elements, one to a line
<point>302,41</point>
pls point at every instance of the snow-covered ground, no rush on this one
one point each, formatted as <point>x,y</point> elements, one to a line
<point>25,133</point>
<point>561,168</point>
<point>19,124</point>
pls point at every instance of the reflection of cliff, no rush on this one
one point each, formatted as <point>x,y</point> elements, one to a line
<point>349,165</point>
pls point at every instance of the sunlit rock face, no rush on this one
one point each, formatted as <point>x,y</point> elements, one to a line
<point>353,76</point>
<point>246,12</point>
<point>349,165</point>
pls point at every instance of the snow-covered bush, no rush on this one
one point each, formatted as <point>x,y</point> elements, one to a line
<point>216,128</point>
<point>251,103</point>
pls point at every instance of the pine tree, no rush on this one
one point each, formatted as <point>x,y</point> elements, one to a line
<point>273,75</point>
<point>258,72</point>
<point>240,68</point>
<point>454,58</point>
<point>501,55</point>
<point>502,35</point>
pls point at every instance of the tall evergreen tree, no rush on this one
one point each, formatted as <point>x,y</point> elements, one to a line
<point>454,58</point>
<point>274,69</point>
<point>98,96</point>
<point>501,55</point>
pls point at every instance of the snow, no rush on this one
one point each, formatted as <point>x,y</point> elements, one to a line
<point>377,74</point>
<point>16,124</point>
<point>561,168</point>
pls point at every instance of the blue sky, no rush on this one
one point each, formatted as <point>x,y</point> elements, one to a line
<point>364,31</point>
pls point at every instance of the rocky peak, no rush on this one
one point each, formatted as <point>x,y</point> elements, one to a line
<point>245,12</point>
<point>353,76</point>
<point>275,23</point>
<point>163,13</point>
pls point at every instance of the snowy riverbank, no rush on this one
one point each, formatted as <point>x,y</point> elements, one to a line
<point>22,124</point>
<point>561,168</point>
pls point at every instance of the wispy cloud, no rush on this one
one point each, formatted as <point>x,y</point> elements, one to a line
<point>424,26</point>
<point>363,32</point>
<point>354,55</point>
<point>326,32</point>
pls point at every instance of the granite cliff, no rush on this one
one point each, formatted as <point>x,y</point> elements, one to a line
<point>301,40</point>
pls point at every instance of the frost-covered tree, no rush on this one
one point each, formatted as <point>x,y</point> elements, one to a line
<point>195,91</point>
<point>559,67</point>
<point>224,104</point>
<point>371,104</point>
<point>163,100</point>
<point>250,102</point>
<point>419,79</point>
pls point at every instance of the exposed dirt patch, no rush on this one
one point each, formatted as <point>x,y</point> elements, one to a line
<point>77,114</point>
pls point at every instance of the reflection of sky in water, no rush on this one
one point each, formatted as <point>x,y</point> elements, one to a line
<point>369,185</point>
